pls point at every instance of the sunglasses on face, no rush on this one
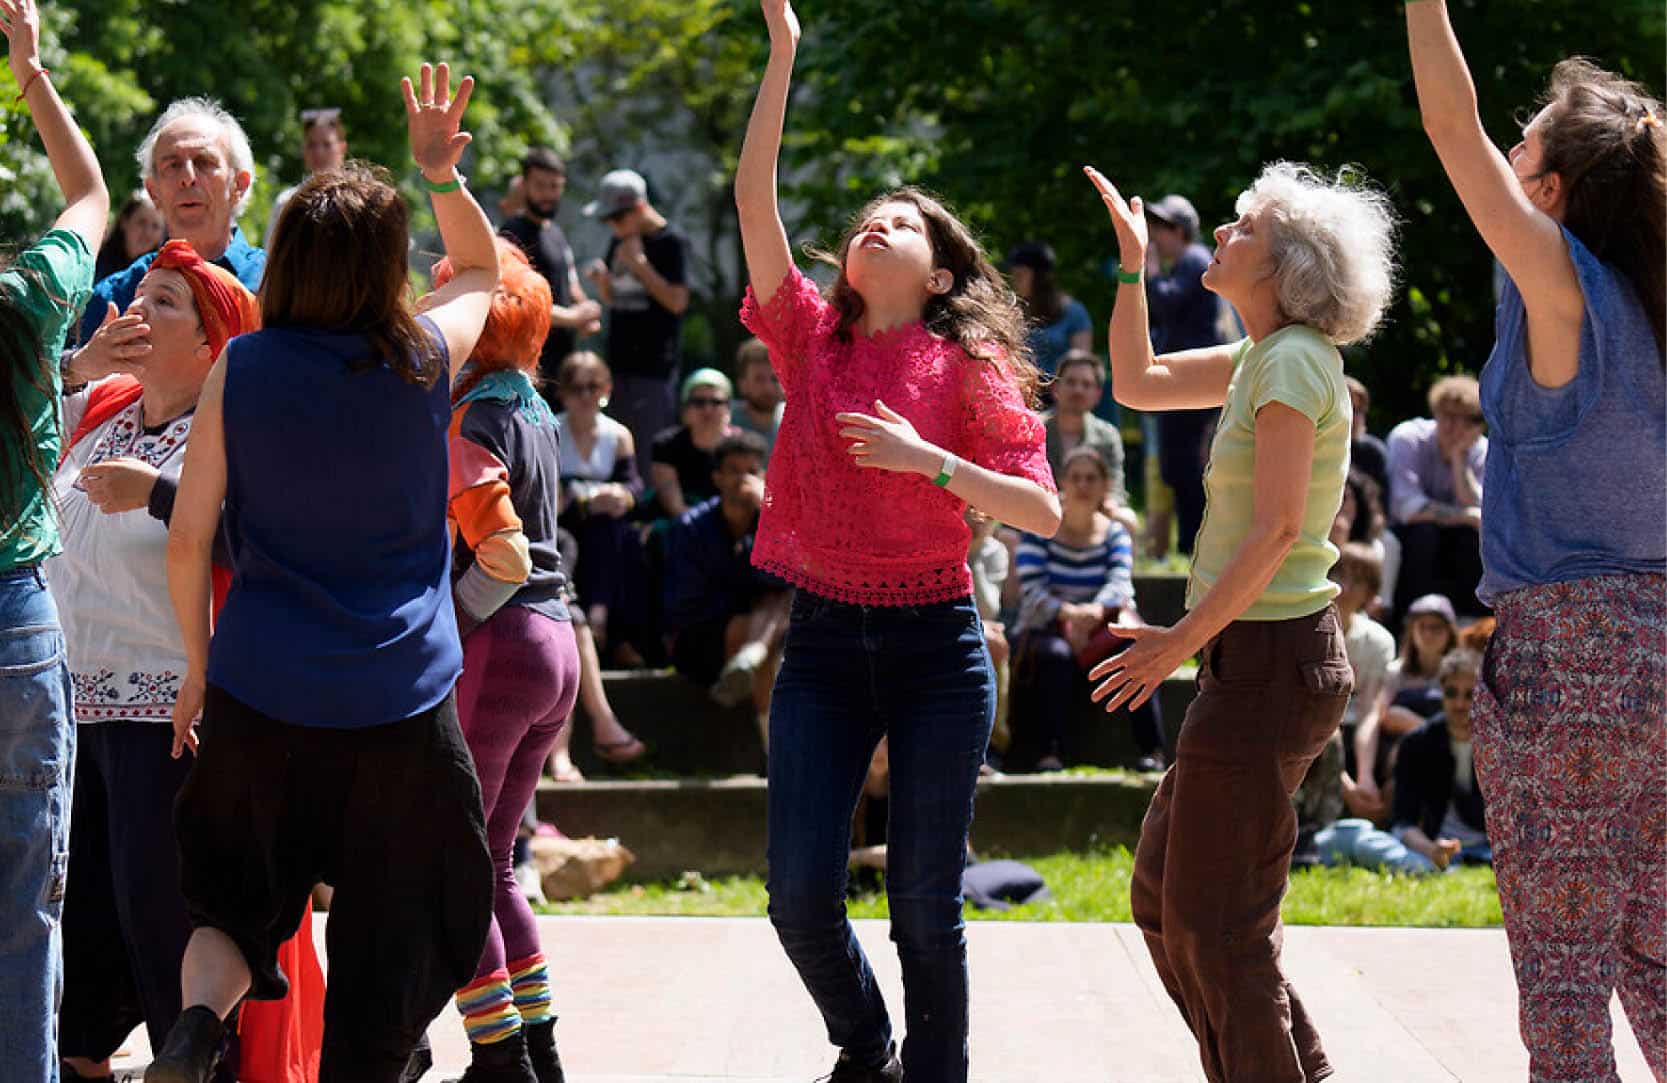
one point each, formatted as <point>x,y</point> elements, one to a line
<point>701,400</point>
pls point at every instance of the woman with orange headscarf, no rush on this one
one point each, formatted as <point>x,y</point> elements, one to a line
<point>520,660</point>
<point>125,923</point>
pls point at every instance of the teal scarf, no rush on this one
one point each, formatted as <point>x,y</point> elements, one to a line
<point>509,386</point>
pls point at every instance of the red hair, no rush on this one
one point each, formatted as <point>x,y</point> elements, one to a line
<point>520,318</point>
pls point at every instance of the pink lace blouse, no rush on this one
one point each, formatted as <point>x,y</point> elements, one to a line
<point>867,536</point>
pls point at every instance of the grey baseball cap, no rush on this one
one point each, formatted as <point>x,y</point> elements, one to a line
<point>622,189</point>
<point>1175,210</point>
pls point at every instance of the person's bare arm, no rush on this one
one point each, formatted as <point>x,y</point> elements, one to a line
<point>667,488</point>
<point>1528,242</point>
<point>671,296</point>
<point>763,237</point>
<point>1189,379</point>
<point>74,165</point>
<point>196,520</point>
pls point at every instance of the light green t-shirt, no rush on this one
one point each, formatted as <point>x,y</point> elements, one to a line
<point>49,282</point>
<point>1298,367</point>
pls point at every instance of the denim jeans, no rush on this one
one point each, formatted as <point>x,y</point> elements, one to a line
<point>37,763</point>
<point>851,674</point>
<point>1357,842</point>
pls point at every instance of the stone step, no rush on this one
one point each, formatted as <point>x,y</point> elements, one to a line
<point>689,736</point>
<point>1162,597</point>
<point>717,826</point>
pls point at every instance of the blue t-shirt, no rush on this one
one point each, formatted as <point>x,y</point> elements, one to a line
<point>340,611</point>
<point>241,258</point>
<point>1048,344</point>
<point>1576,479</point>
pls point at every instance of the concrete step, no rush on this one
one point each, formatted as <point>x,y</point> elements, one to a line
<point>718,825</point>
<point>1162,598</point>
<point>689,736</point>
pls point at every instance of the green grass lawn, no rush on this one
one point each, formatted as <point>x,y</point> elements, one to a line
<point>1095,887</point>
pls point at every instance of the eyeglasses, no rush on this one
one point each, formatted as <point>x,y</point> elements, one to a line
<point>702,400</point>
<point>584,389</point>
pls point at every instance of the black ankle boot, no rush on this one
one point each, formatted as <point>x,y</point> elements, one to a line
<point>191,1050</point>
<point>541,1050</point>
<point>847,1072</point>
<point>500,1062</point>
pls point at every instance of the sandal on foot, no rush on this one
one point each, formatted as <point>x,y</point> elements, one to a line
<point>623,751</point>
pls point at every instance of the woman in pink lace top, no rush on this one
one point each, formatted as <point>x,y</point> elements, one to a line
<point>906,401</point>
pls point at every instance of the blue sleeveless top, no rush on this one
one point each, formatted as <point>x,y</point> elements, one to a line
<point>1576,478</point>
<point>340,611</point>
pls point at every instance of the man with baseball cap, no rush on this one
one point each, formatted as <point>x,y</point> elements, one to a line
<point>643,283</point>
<point>1184,316</point>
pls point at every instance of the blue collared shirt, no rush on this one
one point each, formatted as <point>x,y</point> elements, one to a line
<point>241,258</point>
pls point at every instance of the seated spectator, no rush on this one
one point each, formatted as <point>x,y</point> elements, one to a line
<point>1367,453</point>
<point>1058,322</point>
<point>138,232</point>
<point>1360,518</point>
<point>988,560</point>
<point>1371,651</point>
<point>1411,690</point>
<point>600,488</point>
<point>762,401</point>
<point>1324,839</point>
<point>1439,810</point>
<point>725,618</point>
<point>610,741</point>
<point>1435,497</point>
<point>685,460</point>
<point>1072,424</point>
<point>1075,584</point>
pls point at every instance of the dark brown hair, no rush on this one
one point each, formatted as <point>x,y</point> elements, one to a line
<point>1603,135</point>
<point>23,364</point>
<point>337,263</point>
<point>1087,359</point>
<point>979,312</point>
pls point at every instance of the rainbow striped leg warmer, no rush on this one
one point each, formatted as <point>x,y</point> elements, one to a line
<point>530,979</point>
<point>488,1008</point>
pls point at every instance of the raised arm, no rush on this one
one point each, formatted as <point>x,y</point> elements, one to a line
<point>433,119</point>
<point>763,237</point>
<point>1527,241</point>
<point>1191,379</point>
<point>74,166</point>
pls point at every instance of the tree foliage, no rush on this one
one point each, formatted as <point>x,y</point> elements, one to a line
<point>995,104</point>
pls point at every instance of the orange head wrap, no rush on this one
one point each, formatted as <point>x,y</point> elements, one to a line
<point>224,306</point>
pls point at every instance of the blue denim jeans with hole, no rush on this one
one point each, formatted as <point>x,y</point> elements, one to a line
<point>37,764</point>
<point>850,674</point>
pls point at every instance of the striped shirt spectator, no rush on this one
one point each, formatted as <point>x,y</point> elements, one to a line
<point>1052,572</point>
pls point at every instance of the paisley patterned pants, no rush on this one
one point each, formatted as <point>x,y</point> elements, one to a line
<point>1571,751</point>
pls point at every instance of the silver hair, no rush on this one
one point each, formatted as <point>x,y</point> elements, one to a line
<point>1332,241</point>
<point>242,159</point>
<point>1459,660</point>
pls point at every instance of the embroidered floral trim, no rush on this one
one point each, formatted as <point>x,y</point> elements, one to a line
<point>124,436</point>
<point>101,696</point>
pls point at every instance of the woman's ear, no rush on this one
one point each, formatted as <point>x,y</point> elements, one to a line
<point>940,282</point>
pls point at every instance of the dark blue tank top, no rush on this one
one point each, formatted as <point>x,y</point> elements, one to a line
<point>340,611</point>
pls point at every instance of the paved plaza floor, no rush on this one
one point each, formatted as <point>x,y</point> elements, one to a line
<point>704,1000</point>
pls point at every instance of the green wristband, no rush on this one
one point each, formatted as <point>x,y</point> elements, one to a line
<point>1130,277</point>
<point>945,472</point>
<point>450,186</point>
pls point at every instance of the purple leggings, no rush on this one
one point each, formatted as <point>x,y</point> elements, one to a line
<point>520,680</point>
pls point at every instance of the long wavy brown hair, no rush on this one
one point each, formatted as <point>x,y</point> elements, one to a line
<point>1607,138</point>
<point>23,366</point>
<point>337,263</point>
<point>979,312</point>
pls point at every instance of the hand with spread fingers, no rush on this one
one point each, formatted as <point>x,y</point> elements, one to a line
<point>887,442</point>
<point>433,119</point>
<point>121,344</point>
<point>1127,218</point>
<point>1130,678</point>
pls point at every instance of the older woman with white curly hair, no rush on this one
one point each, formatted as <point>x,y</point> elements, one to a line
<point>1309,266</point>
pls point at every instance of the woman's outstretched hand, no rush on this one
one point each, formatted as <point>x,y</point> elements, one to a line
<point>1129,219</point>
<point>782,21</point>
<point>1129,678</point>
<point>886,440</point>
<point>21,22</point>
<point>433,117</point>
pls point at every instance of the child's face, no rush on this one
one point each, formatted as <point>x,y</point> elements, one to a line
<point>891,253</point>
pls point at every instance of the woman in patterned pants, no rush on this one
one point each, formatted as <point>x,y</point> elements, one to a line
<point>1571,745</point>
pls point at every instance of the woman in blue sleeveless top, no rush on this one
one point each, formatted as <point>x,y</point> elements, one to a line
<point>1570,736</point>
<point>329,746</point>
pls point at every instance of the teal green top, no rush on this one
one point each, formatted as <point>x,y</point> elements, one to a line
<point>50,282</point>
<point>1299,367</point>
